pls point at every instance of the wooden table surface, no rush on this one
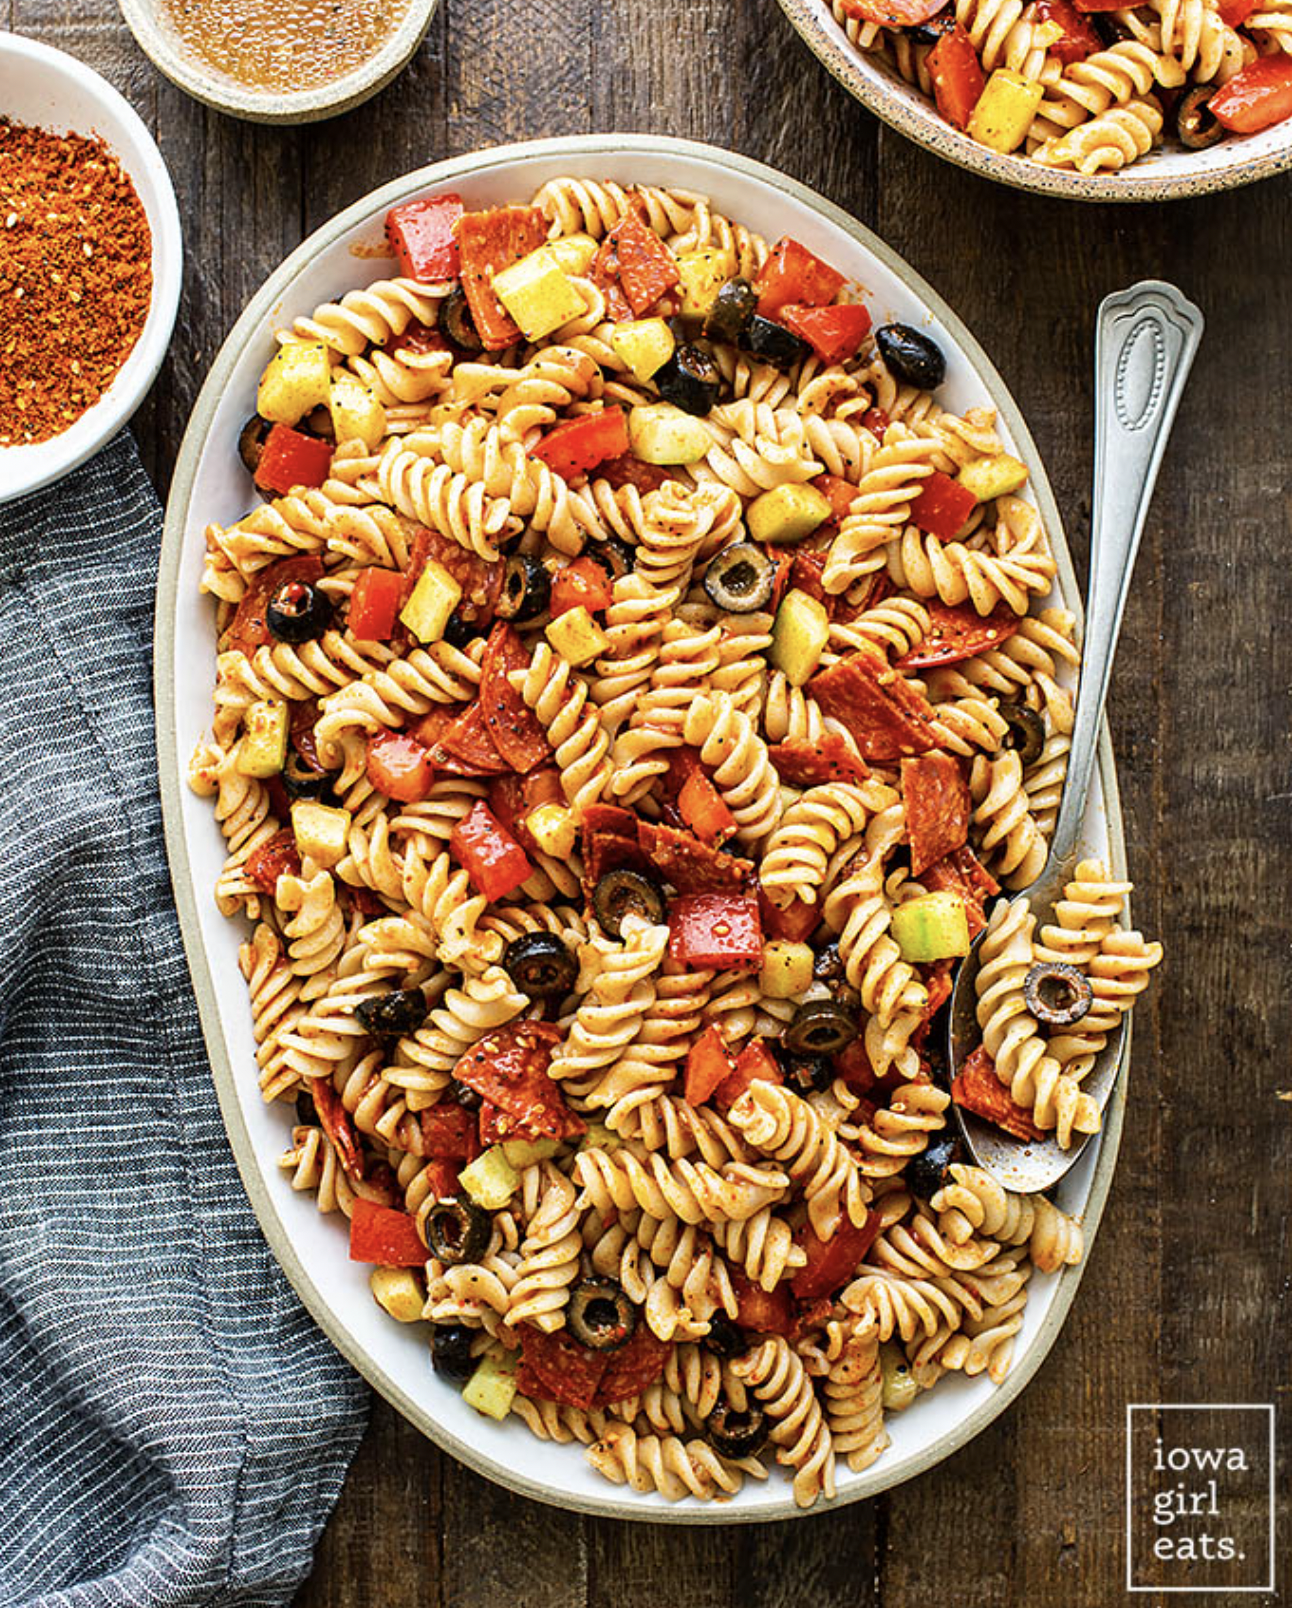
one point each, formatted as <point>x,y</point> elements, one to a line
<point>1186,1297</point>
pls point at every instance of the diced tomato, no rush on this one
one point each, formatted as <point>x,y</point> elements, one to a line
<point>957,76</point>
<point>894,13</point>
<point>467,739</point>
<point>1256,97</point>
<point>936,796</point>
<point>449,1132</point>
<point>420,338</point>
<point>796,921</point>
<point>793,274</point>
<point>1078,39</point>
<point>705,810</point>
<point>708,1063</point>
<point>718,930</point>
<point>375,604</point>
<point>831,1263</point>
<point>762,1311</point>
<point>886,716</point>
<point>578,445</point>
<point>957,631</point>
<point>487,243</point>
<point>633,1367</point>
<point>248,631</point>
<point>853,1065</point>
<point>509,1069</point>
<point>338,1125</point>
<point>626,470</point>
<point>513,727</point>
<point>834,333</point>
<point>492,858</point>
<point>828,759</point>
<point>978,1089</point>
<point>942,506</point>
<point>1234,13</point>
<point>754,1064</point>
<point>399,766</point>
<point>585,583</point>
<point>388,1238</point>
<point>290,458</point>
<point>841,494</point>
<point>276,856</point>
<point>555,1367</point>
<point>635,261</point>
<point>421,235</point>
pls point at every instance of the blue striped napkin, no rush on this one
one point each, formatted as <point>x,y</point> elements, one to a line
<point>174,1429</point>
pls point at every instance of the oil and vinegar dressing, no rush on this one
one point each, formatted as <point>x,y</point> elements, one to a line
<point>277,45</point>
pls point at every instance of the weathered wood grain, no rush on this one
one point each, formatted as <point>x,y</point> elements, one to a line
<point>1186,1297</point>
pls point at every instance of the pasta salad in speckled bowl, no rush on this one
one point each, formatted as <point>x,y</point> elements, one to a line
<point>642,655</point>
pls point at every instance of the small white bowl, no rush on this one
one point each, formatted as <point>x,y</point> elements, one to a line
<point>167,52</point>
<point>46,88</point>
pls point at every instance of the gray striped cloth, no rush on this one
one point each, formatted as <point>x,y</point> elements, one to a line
<point>174,1429</point>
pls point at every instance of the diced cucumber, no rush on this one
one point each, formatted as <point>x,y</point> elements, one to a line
<point>432,602</point>
<point>357,414</point>
<point>787,969</point>
<point>397,1290</point>
<point>801,630</point>
<point>264,739</point>
<point>599,1137</point>
<point>645,345</point>
<point>525,1152</point>
<point>576,636</point>
<point>660,433</point>
<point>297,379</point>
<point>490,1180</point>
<point>1005,109</point>
<point>931,927</point>
<point>492,1387</point>
<point>787,514</point>
<point>538,294</point>
<point>703,274</point>
<point>322,833</point>
<point>994,477</point>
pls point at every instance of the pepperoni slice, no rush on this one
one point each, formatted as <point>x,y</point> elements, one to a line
<point>509,1069</point>
<point>937,802</point>
<point>632,1367</point>
<point>978,1089</point>
<point>957,631</point>
<point>513,727</point>
<point>828,759</point>
<point>690,865</point>
<point>555,1367</point>
<point>887,717</point>
<point>961,872</point>
<point>277,854</point>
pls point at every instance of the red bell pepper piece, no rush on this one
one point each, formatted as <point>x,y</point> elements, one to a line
<point>584,582</point>
<point>449,1133</point>
<point>375,604</point>
<point>796,921</point>
<point>853,1066</point>
<point>634,261</point>
<point>290,458</point>
<point>1078,39</point>
<point>957,631</point>
<point>578,445</point>
<point>793,274</point>
<point>841,495</point>
<point>705,810</point>
<point>876,421</point>
<point>834,333</point>
<point>492,858</point>
<point>957,76</point>
<point>831,1263</point>
<point>754,1064</point>
<point>420,233</point>
<point>337,1124</point>
<point>275,856</point>
<point>487,243</point>
<point>1234,13</point>
<point>708,1063</point>
<point>441,1175</point>
<point>978,1089</point>
<point>762,1311</point>
<point>718,930</point>
<point>942,506</point>
<point>1257,97</point>
<point>894,13</point>
<point>384,1236</point>
<point>399,766</point>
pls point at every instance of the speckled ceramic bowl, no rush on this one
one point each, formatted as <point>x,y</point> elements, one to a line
<point>1162,175</point>
<point>210,484</point>
<point>161,44</point>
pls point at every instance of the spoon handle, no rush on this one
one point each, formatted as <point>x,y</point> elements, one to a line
<point>1145,341</point>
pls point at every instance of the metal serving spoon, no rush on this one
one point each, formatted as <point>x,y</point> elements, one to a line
<point>1145,342</point>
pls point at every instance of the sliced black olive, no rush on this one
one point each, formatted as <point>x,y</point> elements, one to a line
<point>540,965</point>
<point>458,630</point>
<point>1110,28</point>
<point>827,964</point>
<point>725,1337</point>
<point>600,1315</point>
<point>1026,734</point>
<point>736,1434</point>
<point>733,307</point>
<point>298,611</point>
<point>621,893</point>
<point>689,380</point>
<point>820,1027</point>
<point>911,356</point>
<point>773,343</point>
<point>740,579</point>
<point>926,1173</point>
<point>467,1097</point>
<point>451,1350</point>
<point>1194,122</point>
<point>318,422</point>
<point>526,589</point>
<point>457,323</point>
<point>928,33</point>
<point>306,1110</point>
<point>614,555</point>
<point>251,441</point>
<point>458,1231</point>
<point>805,1074</point>
<point>302,781</point>
<point>402,1010</point>
<point>1057,995</point>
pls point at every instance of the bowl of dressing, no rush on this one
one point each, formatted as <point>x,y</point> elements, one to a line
<point>279,61</point>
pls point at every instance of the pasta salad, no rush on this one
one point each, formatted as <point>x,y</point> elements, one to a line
<point>632,693</point>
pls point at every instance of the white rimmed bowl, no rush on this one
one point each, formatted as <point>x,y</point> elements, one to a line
<point>210,485</point>
<point>1165,174</point>
<point>46,88</point>
<point>160,43</point>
